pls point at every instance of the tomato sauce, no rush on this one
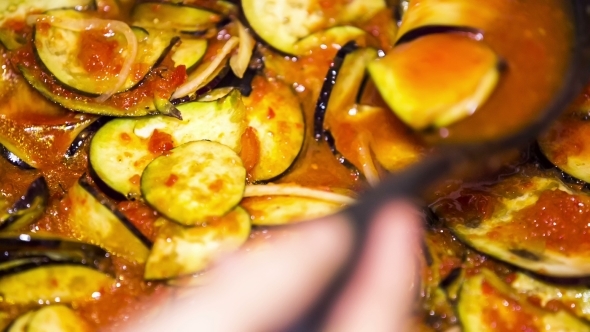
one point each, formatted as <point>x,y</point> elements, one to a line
<point>99,55</point>
<point>558,221</point>
<point>504,313</point>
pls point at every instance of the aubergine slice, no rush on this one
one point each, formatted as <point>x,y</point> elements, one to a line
<point>361,134</point>
<point>564,145</point>
<point>437,79</point>
<point>216,94</point>
<point>84,134</point>
<point>281,24</point>
<point>574,297</point>
<point>535,223</point>
<point>27,209</point>
<point>457,14</point>
<point>55,317</point>
<point>339,35</point>
<point>26,251</point>
<point>50,89</point>
<point>20,323</point>
<point>63,51</point>
<point>503,310</point>
<point>95,220</point>
<point>174,16</point>
<point>58,282</point>
<point>18,9</point>
<point>67,135</point>
<point>189,52</point>
<point>277,121</point>
<point>281,210</point>
<point>180,251</point>
<point>15,156</point>
<point>194,182</point>
<point>121,149</point>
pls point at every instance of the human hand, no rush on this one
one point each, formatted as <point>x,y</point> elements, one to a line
<point>270,286</point>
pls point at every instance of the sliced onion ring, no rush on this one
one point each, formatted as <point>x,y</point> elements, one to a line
<point>296,190</point>
<point>194,83</point>
<point>95,23</point>
<point>239,61</point>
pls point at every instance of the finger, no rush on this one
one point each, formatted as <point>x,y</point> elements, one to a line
<point>264,289</point>
<point>381,291</point>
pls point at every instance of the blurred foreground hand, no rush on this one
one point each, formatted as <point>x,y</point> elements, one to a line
<point>268,287</point>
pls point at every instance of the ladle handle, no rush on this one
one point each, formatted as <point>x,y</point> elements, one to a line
<point>405,185</point>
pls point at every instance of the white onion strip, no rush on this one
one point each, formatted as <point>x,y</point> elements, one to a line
<point>95,23</point>
<point>193,84</point>
<point>295,190</point>
<point>239,61</point>
<point>366,159</point>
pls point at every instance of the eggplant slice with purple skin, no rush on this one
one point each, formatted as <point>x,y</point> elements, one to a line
<point>28,208</point>
<point>283,23</point>
<point>545,207</point>
<point>173,16</point>
<point>95,219</point>
<point>507,308</point>
<point>55,318</point>
<point>565,145</point>
<point>84,136</point>
<point>179,251</point>
<point>119,152</point>
<point>51,249</point>
<point>53,269</point>
<point>57,46</point>
<point>409,78</point>
<point>277,122</point>
<point>17,9</point>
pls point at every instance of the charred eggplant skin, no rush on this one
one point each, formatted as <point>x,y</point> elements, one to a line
<point>22,252</point>
<point>14,159</point>
<point>35,199</point>
<point>325,92</point>
<point>432,29</point>
<point>85,136</point>
<point>124,220</point>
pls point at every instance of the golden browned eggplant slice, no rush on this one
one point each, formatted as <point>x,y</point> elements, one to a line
<point>566,146</point>
<point>93,219</point>
<point>194,182</point>
<point>174,15</point>
<point>552,295</point>
<point>477,16</point>
<point>18,9</point>
<point>27,209</point>
<point>52,318</point>
<point>280,210</point>
<point>189,52</point>
<point>437,79</point>
<point>486,303</point>
<point>281,24</point>
<point>21,322</point>
<point>180,251</point>
<point>129,145</point>
<point>60,40</point>
<point>393,145</point>
<point>535,223</point>
<point>53,283</point>
<point>277,121</point>
<point>333,37</point>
